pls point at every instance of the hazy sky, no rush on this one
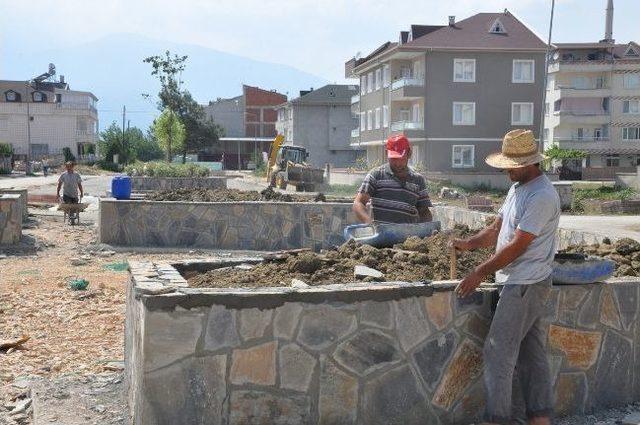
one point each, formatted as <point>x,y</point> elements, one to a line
<point>313,35</point>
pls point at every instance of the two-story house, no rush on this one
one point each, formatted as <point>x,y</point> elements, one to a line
<point>454,90</point>
<point>593,105</point>
<point>43,118</point>
<point>321,121</point>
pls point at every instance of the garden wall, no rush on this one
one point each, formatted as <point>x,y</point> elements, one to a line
<point>22,201</point>
<point>10,219</point>
<point>149,184</point>
<point>344,354</point>
<point>224,225</point>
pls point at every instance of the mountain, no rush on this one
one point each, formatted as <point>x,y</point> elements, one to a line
<point>112,69</point>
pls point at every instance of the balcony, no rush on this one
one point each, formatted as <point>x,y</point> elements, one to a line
<point>595,91</point>
<point>407,89</point>
<point>409,128</point>
<point>86,136</point>
<point>355,132</point>
<point>601,145</point>
<point>355,99</point>
<point>581,66</point>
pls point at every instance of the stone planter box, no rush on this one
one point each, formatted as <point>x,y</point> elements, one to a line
<point>10,219</point>
<point>223,225</point>
<point>22,201</point>
<point>361,353</point>
<point>152,184</point>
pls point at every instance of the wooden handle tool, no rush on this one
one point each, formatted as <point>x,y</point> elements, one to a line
<point>453,263</point>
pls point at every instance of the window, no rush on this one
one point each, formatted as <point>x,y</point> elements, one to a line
<point>464,113</point>
<point>405,114</point>
<point>546,108</point>
<point>377,118</point>
<point>363,84</point>
<point>631,81</point>
<point>386,72</point>
<point>613,160</point>
<point>631,107</point>
<point>363,121</point>
<point>631,52</point>
<point>462,156</point>
<point>580,133</point>
<point>378,78</point>
<point>39,96</point>
<point>631,133</point>
<point>597,133</point>
<point>464,70</point>
<point>370,83</point>
<point>369,120</point>
<point>385,116</point>
<point>405,71</point>
<point>4,123</point>
<point>521,113</point>
<point>523,71</point>
<point>497,27</point>
<point>545,135</point>
<point>415,113</point>
<point>12,96</point>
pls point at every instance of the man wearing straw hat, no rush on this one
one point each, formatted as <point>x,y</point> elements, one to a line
<point>524,237</point>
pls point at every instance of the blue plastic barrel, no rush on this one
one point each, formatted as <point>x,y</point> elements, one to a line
<point>121,187</point>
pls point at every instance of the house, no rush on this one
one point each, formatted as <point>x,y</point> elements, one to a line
<point>321,121</point>
<point>249,122</point>
<point>454,90</point>
<point>593,105</point>
<point>43,117</point>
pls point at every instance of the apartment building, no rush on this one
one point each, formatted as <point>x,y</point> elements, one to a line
<point>321,121</point>
<point>593,105</point>
<point>46,117</point>
<point>454,90</point>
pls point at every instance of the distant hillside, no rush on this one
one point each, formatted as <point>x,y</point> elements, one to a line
<point>113,70</point>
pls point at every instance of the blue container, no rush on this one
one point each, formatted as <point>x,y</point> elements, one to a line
<point>578,269</point>
<point>388,234</point>
<point>121,187</point>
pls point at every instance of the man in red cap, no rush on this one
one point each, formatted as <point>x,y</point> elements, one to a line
<point>397,193</point>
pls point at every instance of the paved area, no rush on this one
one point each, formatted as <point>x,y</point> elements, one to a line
<point>618,226</point>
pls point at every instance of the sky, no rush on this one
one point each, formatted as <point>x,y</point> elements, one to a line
<point>315,36</point>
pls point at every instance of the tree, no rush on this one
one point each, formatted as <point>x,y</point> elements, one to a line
<point>111,143</point>
<point>170,132</point>
<point>145,146</point>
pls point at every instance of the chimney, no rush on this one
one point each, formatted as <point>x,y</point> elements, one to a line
<point>452,21</point>
<point>62,79</point>
<point>608,31</point>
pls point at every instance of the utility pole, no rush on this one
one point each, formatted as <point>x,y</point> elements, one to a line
<point>543,111</point>
<point>124,115</point>
<point>27,164</point>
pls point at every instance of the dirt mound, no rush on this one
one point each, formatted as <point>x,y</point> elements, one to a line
<point>624,252</point>
<point>428,260</point>
<point>229,195</point>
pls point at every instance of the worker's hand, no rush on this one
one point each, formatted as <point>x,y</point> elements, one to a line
<point>468,285</point>
<point>460,244</point>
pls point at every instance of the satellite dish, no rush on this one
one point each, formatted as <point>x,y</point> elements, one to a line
<point>52,69</point>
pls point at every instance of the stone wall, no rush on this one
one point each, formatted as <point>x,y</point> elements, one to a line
<point>565,192</point>
<point>22,201</point>
<point>147,184</point>
<point>224,225</point>
<point>345,354</point>
<point>10,219</point>
<point>449,216</point>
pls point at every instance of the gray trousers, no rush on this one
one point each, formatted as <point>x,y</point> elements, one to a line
<point>517,378</point>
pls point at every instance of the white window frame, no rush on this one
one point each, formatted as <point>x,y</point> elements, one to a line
<point>4,123</point>
<point>386,76</point>
<point>385,116</point>
<point>464,62</point>
<point>462,122</point>
<point>627,130</point>
<point>370,82</point>
<point>626,79</point>
<point>521,122</point>
<point>363,121</point>
<point>378,78</point>
<point>377,119</point>
<point>369,120</point>
<point>363,84</point>
<point>532,62</point>
<point>635,111</point>
<point>462,165</point>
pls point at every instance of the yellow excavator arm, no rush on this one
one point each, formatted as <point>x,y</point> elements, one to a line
<point>275,146</point>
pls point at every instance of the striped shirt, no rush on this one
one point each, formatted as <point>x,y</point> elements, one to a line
<point>394,200</point>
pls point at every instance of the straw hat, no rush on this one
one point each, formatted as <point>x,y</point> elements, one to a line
<point>519,149</point>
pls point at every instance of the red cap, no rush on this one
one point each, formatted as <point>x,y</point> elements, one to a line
<point>398,146</point>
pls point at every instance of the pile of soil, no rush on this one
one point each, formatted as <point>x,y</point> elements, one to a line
<point>415,260</point>
<point>624,252</point>
<point>229,195</point>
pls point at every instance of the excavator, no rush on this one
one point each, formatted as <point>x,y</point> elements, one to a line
<point>288,166</point>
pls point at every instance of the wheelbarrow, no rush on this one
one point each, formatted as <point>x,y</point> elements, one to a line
<point>383,235</point>
<point>72,212</point>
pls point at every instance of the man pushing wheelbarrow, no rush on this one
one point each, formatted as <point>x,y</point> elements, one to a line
<point>71,183</point>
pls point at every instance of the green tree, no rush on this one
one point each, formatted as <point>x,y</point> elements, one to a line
<point>170,132</point>
<point>111,143</point>
<point>145,146</point>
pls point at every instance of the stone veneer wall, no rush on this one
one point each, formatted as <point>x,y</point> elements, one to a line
<point>10,219</point>
<point>146,184</point>
<point>224,225</point>
<point>449,216</point>
<point>22,201</point>
<point>363,353</point>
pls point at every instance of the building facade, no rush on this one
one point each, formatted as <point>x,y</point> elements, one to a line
<point>454,90</point>
<point>42,118</point>
<point>321,121</point>
<point>593,105</point>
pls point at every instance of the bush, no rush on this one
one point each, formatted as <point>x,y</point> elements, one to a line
<point>109,166</point>
<point>6,149</point>
<point>603,193</point>
<point>68,156</point>
<point>163,169</point>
